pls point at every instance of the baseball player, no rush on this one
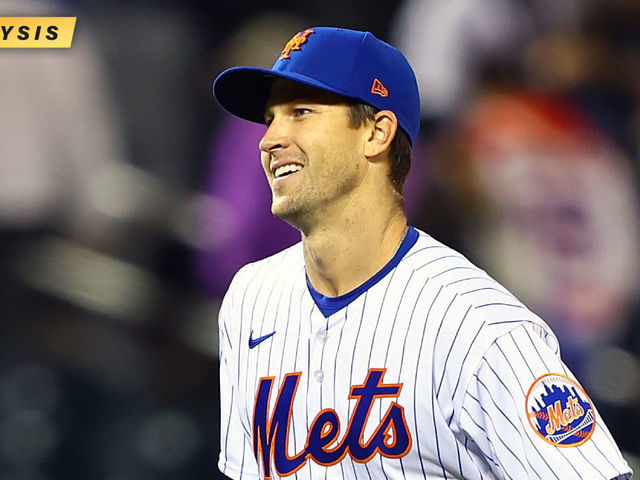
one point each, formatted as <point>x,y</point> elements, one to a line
<point>369,350</point>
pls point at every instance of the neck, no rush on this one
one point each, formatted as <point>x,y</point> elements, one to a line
<point>343,255</point>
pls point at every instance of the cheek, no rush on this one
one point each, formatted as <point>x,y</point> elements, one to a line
<point>343,156</point>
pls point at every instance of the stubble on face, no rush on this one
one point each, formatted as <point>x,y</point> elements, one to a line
<point>324,182</point>
<point>327,146</point>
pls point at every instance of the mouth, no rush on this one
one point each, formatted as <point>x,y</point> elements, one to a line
<point>286,170</point>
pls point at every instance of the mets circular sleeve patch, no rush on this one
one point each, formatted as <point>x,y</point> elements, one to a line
<point>560,411</point>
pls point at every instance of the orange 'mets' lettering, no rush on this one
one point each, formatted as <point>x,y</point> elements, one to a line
<point>559,417</point>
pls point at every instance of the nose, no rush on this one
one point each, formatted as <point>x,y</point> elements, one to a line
<point>274,138</point>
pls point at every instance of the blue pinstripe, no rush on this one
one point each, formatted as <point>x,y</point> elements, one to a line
<point>446,360</point>
<point>488,417</point>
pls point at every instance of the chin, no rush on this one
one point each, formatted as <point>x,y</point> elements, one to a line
<point>289,212</point>
<point>286,214</point>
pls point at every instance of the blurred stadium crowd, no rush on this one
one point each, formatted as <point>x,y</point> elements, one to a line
<point>128,199</point>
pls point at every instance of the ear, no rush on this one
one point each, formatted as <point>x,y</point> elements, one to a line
<point>383,130</point>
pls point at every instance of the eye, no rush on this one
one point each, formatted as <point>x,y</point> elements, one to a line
<point>300,112</point>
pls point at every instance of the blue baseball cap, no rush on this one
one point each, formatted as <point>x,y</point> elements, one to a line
<point>346,62</point>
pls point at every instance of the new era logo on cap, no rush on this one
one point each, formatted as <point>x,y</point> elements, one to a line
<point>379,89</point>
<point>353,64</point>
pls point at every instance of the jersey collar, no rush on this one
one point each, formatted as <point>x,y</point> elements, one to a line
<point>330,305</point>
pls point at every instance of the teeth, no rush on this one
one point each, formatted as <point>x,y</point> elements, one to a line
<point>286,169</point>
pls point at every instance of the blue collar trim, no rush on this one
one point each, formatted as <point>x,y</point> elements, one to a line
<point>330,305</point>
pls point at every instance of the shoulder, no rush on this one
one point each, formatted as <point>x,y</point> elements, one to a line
<point>472,309</point>
<point>248,281</point>
<point>289,259</point>
<point>474,312</point>
<point>441,262</point>
<point>485,299</point>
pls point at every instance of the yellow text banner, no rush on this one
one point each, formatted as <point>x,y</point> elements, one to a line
<point>36,32</point>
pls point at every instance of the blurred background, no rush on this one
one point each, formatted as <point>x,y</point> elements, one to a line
<point>128,199</point>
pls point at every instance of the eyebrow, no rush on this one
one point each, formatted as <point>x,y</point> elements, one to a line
<point>321,97</point>
<point>292,96</point>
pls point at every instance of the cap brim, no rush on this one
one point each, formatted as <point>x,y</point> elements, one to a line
<point>243,91</point>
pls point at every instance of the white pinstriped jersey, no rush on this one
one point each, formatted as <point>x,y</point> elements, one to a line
<point>430,370</point>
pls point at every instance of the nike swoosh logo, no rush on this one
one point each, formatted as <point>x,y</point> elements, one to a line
<point>254,342</point>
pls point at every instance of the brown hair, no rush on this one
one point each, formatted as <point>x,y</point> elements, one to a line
<point>359,113</point>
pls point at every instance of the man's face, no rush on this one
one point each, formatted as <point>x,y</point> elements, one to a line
<point>312,157</point>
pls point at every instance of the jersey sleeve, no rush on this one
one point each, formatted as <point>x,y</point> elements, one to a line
<point>528,417</point>
<point>236,458</point>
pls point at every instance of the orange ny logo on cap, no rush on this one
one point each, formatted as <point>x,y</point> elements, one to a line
<point>379,89</point>
<point>295,43</point>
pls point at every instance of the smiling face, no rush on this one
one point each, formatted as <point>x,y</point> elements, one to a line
<point>312,157</point>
